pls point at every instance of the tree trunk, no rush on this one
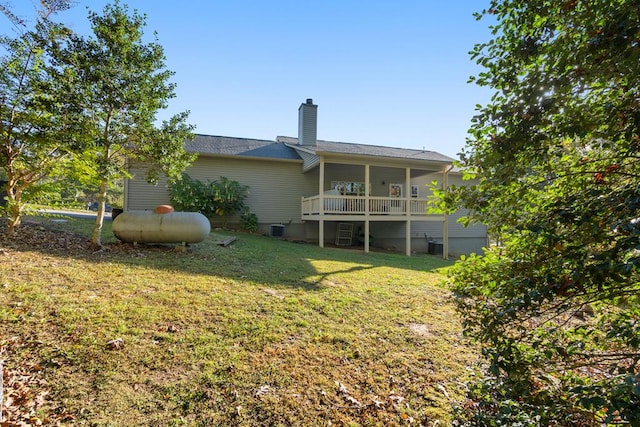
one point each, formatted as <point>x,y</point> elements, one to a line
<point>97,229</point>
<point>14,218</point>
<point>14,208</point>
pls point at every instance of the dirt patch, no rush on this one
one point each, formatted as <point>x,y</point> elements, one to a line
<point>422,330</point>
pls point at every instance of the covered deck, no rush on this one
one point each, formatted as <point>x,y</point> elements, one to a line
<point>371,185</point>
<point>323,208</point>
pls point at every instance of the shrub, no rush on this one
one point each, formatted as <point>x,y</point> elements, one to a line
<point>222,198</point>
<point>249,220</point>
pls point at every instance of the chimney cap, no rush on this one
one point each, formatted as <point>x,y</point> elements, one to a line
<point>309,101</point>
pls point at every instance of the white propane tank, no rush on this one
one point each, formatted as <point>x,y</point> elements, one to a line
<point>164,227</point>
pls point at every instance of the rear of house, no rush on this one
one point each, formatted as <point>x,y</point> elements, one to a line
<point>310,189</point>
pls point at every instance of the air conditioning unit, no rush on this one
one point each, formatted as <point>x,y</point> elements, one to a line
<point>276,230</point>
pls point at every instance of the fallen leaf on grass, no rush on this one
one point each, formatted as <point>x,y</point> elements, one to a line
<point>377,403</point>
<point>443,390</point>
<point>407,418</point>
<point>116,344</point>
<point>263,390</point>
<point>395,398</point>
<point>341,388</point>
<point>23,392</point>
<point>353,400</point>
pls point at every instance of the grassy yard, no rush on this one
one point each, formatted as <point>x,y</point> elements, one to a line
<point>263,332</point>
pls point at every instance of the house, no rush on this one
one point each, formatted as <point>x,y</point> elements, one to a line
<point>324,191</point>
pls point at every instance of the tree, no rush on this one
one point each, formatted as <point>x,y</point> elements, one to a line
<point>115,84</point>
<point>555,154</point>
<point>30,143</point>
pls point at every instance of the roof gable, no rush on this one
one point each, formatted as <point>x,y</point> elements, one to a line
<point>230,146</point>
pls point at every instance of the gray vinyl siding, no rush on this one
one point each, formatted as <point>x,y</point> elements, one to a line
<point>275,187</point>
<point>465,240</point>
<point>139,195</point>
<point>462,240</point>
<point>310,160</point>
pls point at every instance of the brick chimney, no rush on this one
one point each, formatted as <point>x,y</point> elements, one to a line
<point>308,123</point>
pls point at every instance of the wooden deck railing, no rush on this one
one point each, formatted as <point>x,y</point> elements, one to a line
<point>357,205</point>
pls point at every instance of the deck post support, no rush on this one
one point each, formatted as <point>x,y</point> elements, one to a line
<point>366,235</point>
<point>407,237</point>
<point>407,209</point>
<point>367,206</point>
<point>321,207</point>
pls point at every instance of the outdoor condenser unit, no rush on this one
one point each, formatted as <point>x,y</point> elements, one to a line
<point>276,230</point>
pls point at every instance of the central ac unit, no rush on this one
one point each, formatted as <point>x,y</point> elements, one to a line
<point>276,230</point>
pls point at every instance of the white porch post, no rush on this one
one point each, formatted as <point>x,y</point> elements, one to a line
<point>407,207</point>
<point>367,185</point>
<point>321,207</point>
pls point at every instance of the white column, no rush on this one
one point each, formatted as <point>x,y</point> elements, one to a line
<point>321,207</point>
<point>367,185</point>
<point>407,190</point>
<point>407,202</point>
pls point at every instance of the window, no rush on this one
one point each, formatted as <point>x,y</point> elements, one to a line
<point>348,188</point>
<point>395,190</point>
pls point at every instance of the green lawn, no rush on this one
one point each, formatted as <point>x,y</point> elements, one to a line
<point>264,332</point>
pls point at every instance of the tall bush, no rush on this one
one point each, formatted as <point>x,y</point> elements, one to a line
<point>221,198</point>
<point>556,309</point>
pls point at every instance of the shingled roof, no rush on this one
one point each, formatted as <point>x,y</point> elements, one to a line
<point>229,146</point>
<point>284,149</point>
<point>369,150</point>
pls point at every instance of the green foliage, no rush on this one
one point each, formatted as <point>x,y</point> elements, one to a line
<point>555,156</point>
<point>222,198</point>
<point>191,195</point>
<point>229,196</point>
<point>249,220</point>
<point>70,193</point>
<point>111,86</point>
<point>30,143</point>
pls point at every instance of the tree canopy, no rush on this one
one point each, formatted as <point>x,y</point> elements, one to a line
<point>31,146</point>
<point>89,101</point>
<point>114,84</point>
<point>555,155</point>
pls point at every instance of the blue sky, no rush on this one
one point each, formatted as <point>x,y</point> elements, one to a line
<point>390,73</point>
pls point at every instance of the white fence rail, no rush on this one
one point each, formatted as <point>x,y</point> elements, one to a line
<point>357,205</point>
